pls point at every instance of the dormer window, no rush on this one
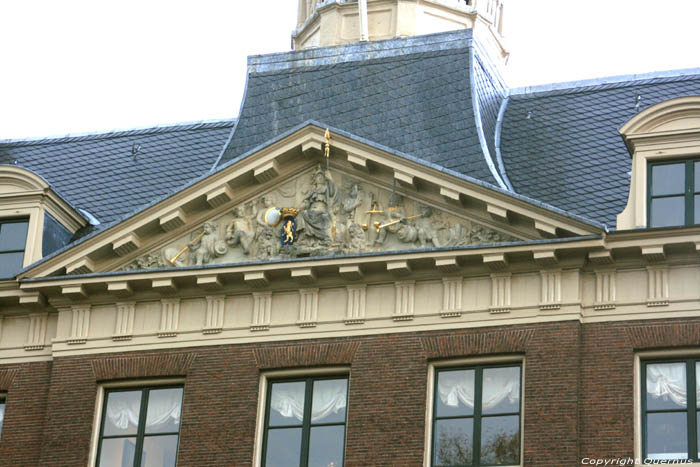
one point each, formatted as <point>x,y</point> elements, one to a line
<point>13,238</point>
<point>674,193</point>
<point>664,142</point>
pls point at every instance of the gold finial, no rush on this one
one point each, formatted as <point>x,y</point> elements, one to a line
<point>327,149</point>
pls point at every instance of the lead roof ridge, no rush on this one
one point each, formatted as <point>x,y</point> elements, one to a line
<point>119,133</point>
<point>607,82</point>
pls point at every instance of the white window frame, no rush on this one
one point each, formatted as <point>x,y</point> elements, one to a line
<point>265,378</point>
<point>461,362</point>
<point>126,384</point>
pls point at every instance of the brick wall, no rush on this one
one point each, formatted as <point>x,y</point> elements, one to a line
<point>578,392</point>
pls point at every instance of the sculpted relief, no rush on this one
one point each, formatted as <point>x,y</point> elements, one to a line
<point>318,214</point>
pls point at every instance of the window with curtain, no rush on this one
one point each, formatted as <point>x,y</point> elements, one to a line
<point>674,193</point>
<point>670,415</point>
<point>476,416</point>
<point>13,239</point>
<point>140,427</point>
<point>305,422</point>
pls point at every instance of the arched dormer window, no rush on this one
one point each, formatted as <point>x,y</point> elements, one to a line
<point>34,219</point>
<point>664,141</point>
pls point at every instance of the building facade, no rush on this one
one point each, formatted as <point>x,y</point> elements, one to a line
<point>388,258</point>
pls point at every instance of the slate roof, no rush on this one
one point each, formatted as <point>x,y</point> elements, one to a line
<point>99,173</point>
<point>562,146</point>
<point>411,94</point>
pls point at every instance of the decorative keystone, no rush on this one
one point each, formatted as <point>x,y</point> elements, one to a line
<point>601,257</point>
<point>654,253</point>
<point>84,266</point>
<point>127,244</point>
<point>304,276</point>
<point>256,279</point>
<point>399,268</point>
<point>496,262</point>
<point>212,282</point>
<point>164,285</point>
<point>352,272</point>
<point>497,213</point>
<point>266,172</point>
<point>358,162</point>
<point>74,292</point>
<point>447,265</point>
<point>172,220</point>
<point>546,258</point>
<point>220,196</point>
<point>120,289</point>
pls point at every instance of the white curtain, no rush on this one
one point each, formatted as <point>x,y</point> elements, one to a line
<point>667,380</point>
<point>329,397</point>
<point>123,412</point>
<point>498,384</point>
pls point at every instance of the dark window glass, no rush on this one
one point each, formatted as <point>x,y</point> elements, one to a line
<point>477,416</point>
<point>674,193</point>
<point>140,427</point>
<point>13,238</point>
<point>305,422</point>
<point>670,415</point>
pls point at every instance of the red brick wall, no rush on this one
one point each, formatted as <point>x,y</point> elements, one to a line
<point>578,392</point>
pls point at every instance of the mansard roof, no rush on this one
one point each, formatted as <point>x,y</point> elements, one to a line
<point>561,143</point>
<point>435,97</point>
<point>111,174</point>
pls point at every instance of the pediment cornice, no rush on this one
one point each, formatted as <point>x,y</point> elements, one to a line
<point>296,156</point>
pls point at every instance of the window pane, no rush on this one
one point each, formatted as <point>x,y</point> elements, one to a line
<point>117,452</point>
<point>330,397</point>
<point>500,440</point>
<point>164,406</point>
<point>667,436</point>
<point>696,209</point>
<point>2,415</point>
<point>455,393</point>
<point>697,177</point>
<point>122,413</point>
<point>698,434</point>
<point>326,446</point>
<point>159,451</point>
<point>10,263</point>
<point>666,386</point>
<point>13,236</point>
<point>453,442</point>
<point>668,179</point>
<point>501,390</point>
<point>287,403</point>
<point>667,212</point>
<point>283,447</point>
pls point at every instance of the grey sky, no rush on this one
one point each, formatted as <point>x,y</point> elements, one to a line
<point>75,66</point>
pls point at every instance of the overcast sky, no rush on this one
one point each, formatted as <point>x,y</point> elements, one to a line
<point>72,66</point>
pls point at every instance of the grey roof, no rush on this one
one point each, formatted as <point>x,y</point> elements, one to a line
<point>99,173</point>
<point>561,144</point>
<point>411,94</point>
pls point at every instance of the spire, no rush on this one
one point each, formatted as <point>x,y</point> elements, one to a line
<point>335,22</point>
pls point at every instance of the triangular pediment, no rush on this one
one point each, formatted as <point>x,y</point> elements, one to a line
<point>364,199</point>
<point>330,213</point>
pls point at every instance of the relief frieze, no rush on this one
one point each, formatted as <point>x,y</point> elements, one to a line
<point>318,214</point>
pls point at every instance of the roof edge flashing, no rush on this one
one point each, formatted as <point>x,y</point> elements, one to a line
<point>359,51</point>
